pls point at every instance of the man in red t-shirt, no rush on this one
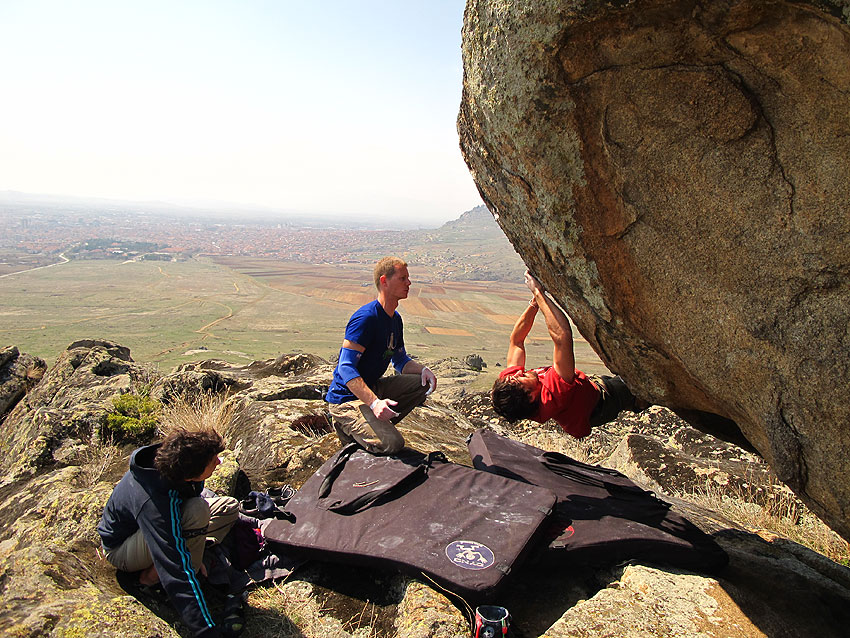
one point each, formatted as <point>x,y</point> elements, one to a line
<point>558,391</point>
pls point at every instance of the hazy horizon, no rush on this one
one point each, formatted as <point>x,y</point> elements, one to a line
<point>332,110</point>
<point>226,213</point>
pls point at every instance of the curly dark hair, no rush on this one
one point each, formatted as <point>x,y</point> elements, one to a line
<point>511,401</point>
<point>184,454</point>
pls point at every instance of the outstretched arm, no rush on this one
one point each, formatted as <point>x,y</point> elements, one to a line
<point>516,348</point>
<point>563,355</point>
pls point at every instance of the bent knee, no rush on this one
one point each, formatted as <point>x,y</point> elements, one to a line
<point>422,394</point>
<point>196,513</point>
<point>226,504</point>
<point>224,507</point>
<point>391,443</point>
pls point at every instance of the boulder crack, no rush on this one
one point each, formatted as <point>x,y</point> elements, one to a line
<point>791,448</point>
<point>753,97</point>
<point>676,66</point>
<point>524,182</point>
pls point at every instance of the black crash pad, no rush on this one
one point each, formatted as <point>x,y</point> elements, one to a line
<point>463,528</point>
<point>601,516</point>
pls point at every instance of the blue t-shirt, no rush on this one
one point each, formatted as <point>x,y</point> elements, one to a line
<point>382,336</point>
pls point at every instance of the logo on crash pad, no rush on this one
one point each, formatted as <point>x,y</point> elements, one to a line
<point>470,554</point>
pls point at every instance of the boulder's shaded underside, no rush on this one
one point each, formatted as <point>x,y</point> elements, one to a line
<point>676,175</point>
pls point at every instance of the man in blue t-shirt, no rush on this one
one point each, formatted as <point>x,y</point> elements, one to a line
<point>363,403</point>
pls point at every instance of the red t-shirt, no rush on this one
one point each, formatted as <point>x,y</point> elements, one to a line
<point>570,404</point>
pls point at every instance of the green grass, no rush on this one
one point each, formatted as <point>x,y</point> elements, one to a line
<point>245,309</point>
<point>135,418</point>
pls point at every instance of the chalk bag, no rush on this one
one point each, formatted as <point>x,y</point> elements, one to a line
<point>490,621</point>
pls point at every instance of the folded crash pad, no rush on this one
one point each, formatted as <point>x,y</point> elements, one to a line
<point>464,528</point>
<point>601,516</point>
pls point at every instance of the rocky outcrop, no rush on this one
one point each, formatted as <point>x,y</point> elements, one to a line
<point>54,583</point>
<point>18,373</point>
<point>292,376</point>
<point>51,577</point>
<point>66,408</point>
<point>667,455</point>
<point>645,601</point>
<point>675,173</point>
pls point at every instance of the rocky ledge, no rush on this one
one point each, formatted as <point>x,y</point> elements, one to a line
<point>57,473</point>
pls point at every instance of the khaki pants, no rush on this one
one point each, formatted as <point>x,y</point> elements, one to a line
<point>355,421</point>
<point>202,518</point>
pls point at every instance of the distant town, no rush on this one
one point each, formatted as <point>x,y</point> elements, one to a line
<point>31,235</point>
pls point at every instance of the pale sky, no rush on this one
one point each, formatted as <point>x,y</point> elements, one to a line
<point>331,105</point>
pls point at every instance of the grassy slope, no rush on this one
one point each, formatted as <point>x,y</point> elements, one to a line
<point>245,309</point>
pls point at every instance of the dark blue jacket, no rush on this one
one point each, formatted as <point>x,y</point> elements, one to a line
<point>144,500</point>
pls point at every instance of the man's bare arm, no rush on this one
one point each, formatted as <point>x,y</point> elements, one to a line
<point>353,345</point>
<point>563,354</point>
<point>516,347</point>
<point>363,392</point>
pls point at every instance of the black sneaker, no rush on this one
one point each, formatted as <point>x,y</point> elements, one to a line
<point>234,615</point>
<point>281,495</point>
<point>129,582</point>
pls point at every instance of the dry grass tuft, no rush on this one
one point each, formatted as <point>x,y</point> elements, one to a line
<point>96,460</point>
<point>781,513</point>
<point>275,615</point>
<point>209,411</point>
<point>363,624</point>
<point>291,610</point>
<point>313,426</point>
<point>553,439</point>
<point>143,377</point>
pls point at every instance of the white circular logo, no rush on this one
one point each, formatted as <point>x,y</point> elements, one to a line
<point>470,554</point>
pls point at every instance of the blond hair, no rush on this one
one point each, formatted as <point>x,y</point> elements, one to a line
<point>387,267</point>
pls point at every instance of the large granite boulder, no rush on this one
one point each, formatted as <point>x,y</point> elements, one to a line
<point>675,173</point>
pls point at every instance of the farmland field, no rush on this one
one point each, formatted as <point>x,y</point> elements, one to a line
<point>240,309</point>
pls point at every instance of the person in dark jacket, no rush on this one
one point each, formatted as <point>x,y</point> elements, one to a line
<point>159,517</point>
